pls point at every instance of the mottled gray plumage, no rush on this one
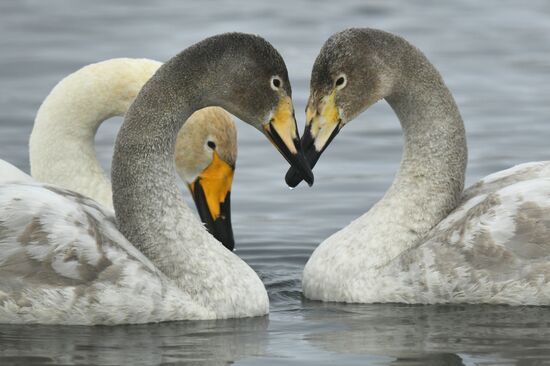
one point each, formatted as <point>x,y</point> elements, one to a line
<point>62,260</point>
<point>424,242</point>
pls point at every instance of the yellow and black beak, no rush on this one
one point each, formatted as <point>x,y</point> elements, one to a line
<point>322,126</point>
<point>211,192</point>
<point>282,131</point>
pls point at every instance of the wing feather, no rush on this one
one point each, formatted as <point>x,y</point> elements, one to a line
<point>62,255</point>
<point>493,248</point>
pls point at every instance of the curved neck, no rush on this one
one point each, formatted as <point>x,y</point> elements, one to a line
<point>149,208</point>
<point>61,145</point>
<point>430,180</point>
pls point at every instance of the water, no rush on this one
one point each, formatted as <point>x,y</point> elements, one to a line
<point>495,57</point>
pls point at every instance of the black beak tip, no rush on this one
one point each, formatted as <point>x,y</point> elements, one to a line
<point>302,167</point>
<point>225,238</point>
<point>296,159</point>
<point>293,177</point>
<point>309,179</point>
<point>222,230</point>
<point>220,227</point>
<point>303,170</point>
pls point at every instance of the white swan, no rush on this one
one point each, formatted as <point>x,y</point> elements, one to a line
<point>64,260</point>
<point>61,146</point>
<point>425,241</point>
<point>62,151</point>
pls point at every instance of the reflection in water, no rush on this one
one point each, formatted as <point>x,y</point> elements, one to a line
<point>217,342</point>
<point>438,359</point>
<point>435,334</point>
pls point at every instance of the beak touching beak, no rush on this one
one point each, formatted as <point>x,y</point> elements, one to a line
<point>322,126</point>
<point>211,192</point>
<point>282,131</point>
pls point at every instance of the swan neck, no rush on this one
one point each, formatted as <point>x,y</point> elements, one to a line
<point>430,179</point>
<point>62,157</point>
<point>149,208</point>
<point>68,119</point>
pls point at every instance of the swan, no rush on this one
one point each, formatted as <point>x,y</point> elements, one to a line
<point>426,241</point>
<point>66,260</point>
<point>62,151</point>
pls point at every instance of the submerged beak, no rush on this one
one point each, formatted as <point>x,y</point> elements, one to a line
<point>211,192</point>
<point>322,126</point>
<point>283,134</point>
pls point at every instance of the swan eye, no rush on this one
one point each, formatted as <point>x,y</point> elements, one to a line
<point>340,82</point>
<point>276,83</point>
<point>211,144</point>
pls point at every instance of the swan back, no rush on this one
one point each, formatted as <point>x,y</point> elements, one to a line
<point>10,174</point>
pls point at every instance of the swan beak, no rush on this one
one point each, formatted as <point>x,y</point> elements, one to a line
<point>282,131</point>
<point>322,126</point>
<point>211,192</point>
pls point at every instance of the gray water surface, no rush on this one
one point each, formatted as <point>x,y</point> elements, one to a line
<point>495,57</point>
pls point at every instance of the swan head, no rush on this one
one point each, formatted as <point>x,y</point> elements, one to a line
<point>206,153</point>
<point>249,79</point>
<point>349,75</point>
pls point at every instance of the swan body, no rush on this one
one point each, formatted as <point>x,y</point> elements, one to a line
<point>426,241</point>
<point>64,259</point>
<point>493,248</point>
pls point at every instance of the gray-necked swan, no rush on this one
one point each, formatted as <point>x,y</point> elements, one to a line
<point>425,241</point>
<point>65,260</point>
